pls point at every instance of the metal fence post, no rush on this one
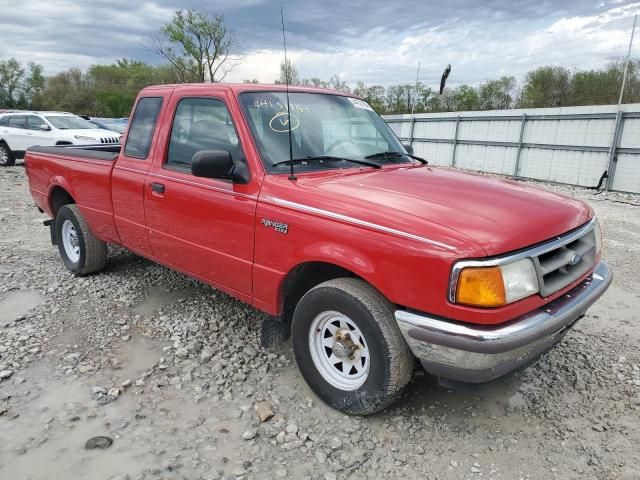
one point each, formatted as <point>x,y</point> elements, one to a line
<point>455,143</point>
<point>413,124</point>
<point>516,168</point>
<point>613,150</point>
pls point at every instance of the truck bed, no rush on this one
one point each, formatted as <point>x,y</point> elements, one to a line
<point>84,172</point>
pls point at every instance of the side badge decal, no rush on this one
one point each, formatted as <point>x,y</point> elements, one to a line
<point>277,226</point>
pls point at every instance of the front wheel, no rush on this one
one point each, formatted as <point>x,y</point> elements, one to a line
<point>349,348</point>
<point>6,156</point>
<point>81,251</point>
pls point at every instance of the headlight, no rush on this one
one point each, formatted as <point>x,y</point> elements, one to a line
<point>84,137</point>
<point>598,232</point>
<point>497,285</point>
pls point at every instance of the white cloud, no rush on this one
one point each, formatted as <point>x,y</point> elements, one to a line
<point>378,43</point>
<point>476,53</point>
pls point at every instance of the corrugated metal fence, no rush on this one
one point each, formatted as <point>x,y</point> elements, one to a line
<point>573,145</point>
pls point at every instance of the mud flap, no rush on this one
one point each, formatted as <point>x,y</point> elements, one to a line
<point>52,231</point>
<point>274,331</point>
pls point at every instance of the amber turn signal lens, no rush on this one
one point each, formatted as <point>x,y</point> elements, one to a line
<point>481,287</point>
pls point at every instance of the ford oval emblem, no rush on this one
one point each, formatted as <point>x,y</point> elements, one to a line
<point>575,259</point>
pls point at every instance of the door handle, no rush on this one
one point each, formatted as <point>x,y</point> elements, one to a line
<point>157,188</point>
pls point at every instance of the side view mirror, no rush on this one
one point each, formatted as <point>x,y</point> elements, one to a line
<point>218,164</point>
<point>44,127</point>
<point>408,148</point>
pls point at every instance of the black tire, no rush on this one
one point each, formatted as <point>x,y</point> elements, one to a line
<point>391,360</point>
<point>93,252</point>
<point>7,158</point>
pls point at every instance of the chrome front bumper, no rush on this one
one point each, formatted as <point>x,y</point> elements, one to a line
<point>477,354</point>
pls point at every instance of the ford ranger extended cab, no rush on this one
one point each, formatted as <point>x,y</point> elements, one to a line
<point>318,215</point>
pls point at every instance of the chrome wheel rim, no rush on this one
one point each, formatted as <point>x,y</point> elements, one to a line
<point>4,155</point>
<point>339,350</point>
<point>70,241</point>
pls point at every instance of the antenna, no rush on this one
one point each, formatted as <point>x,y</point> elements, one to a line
<point>286,78</point>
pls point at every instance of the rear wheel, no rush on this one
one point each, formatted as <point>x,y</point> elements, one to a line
<point>6,156</point>
<point>81,251</point>
<point>349,348</point>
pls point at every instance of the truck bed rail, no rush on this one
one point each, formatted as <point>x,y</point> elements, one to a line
<point>88,152</point>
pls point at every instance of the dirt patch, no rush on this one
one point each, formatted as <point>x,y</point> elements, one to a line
<point>16,304</point>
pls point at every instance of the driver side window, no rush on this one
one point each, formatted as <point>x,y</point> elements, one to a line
<point>201,124</point>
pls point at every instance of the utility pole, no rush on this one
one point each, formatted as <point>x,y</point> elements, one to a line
<point>615,141</point>
<point>626,64</point>
<point>413,104</point>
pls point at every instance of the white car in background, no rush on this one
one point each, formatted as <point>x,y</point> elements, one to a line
<point>20,130</point>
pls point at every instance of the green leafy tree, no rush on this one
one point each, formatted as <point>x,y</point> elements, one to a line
<point>34,85</point>
<point>602,86</point>
<point>546,87</point>
<point>20,87</point>
<point>465,97</point>
<point>399,98</point>
<point>70,91</point>
<point>11,82</point>
<point>614,72</point>
<point>198,46</point>
<point>424,96</point>
<point>373,95</point>
<point>497,94</point>
<point>117,85</point>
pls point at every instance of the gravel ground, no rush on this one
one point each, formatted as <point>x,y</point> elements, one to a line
<point>171,372</point>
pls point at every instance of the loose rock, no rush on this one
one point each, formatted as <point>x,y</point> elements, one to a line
<point>100,442</point>
<point>264,411</point>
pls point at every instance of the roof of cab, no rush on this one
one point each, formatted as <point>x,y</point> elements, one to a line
<point>237,88</point>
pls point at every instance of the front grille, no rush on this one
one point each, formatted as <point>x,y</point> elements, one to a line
<point>565,263</point>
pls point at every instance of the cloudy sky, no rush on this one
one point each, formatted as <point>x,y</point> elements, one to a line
<point>375,41</point>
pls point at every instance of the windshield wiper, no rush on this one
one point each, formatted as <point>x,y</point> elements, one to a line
<point>320,158</point>
<point>396,154</point>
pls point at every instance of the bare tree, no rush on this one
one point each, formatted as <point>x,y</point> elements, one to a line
<point>197,46</point>
<point>288,71</point>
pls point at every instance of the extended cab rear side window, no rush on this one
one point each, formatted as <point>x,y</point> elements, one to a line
<point>143,124</point>
<point>201,124</point>
<point>4,122</point>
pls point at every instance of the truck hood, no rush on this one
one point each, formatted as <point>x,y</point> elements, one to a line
<point>500,215</point>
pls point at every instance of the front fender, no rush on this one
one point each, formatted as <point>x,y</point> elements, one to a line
<point>269,284</point>
<point>340,255</point>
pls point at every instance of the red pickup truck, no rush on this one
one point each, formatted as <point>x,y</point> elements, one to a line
<point>320,216</point>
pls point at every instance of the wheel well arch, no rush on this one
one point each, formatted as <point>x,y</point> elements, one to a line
<point>304,277</point>
<point>58,198</point>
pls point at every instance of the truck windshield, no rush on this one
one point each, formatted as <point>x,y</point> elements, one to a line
<point>69,122</point>
<point>322,125</point>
